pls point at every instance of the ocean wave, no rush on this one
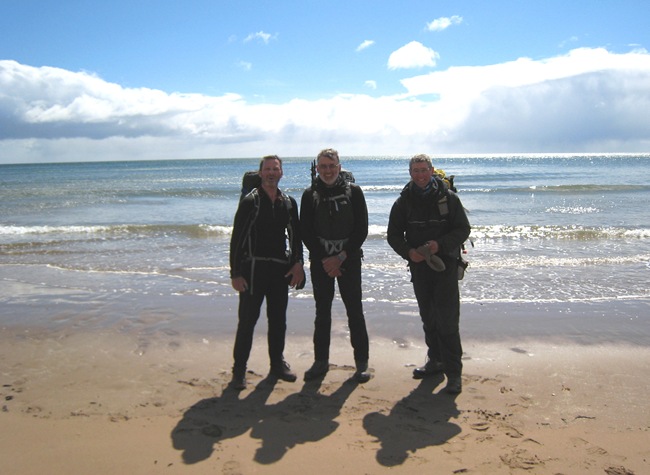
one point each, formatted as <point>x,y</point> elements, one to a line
<point>558,189</point>
<point>192,230</point>
<point>535,232</point>
<point>600,188</point>
<point>530,262</point>
<point>573,232</point>
<point>23,230</point>
<point>490,233</point>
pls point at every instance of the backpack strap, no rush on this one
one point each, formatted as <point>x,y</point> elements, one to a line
<point>255,193</point>
<point>443,206</point>
<point>346,194</point>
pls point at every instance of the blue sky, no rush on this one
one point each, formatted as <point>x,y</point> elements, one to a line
<point>86,80</point>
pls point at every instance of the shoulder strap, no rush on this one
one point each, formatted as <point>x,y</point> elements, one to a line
<point>287,200</point>
<point>443,207</point>
<point>346,194</point>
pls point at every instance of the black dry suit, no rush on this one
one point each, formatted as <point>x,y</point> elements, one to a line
<point>433,215</point>
<point>333,219</point>
<point>264,231</point>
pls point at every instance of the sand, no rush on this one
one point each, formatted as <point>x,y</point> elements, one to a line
<point>109,402</point>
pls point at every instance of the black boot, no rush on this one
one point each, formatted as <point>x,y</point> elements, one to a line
<point>362,375</point>
<point>429,369</point>
<point>238,380</point>
<point>283,371</point>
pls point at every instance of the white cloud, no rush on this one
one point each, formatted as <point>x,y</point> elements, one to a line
<point>365,44</point>
<point>443,23</point>
<point>371,84</point>
<point>472,81</point>
<point>588,100</point>
<point>260,35</point>
<point>412,55</point>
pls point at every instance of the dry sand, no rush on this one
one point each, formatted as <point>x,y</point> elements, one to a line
<point>109,403</point>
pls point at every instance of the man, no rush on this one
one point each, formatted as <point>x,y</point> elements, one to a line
<point>334,223</point>
<point>427,226</point>
<point>263,266</point>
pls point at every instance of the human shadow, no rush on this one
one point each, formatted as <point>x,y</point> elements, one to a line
<point>419,420</point>
<point>306,416</point>
<point>212,420</point>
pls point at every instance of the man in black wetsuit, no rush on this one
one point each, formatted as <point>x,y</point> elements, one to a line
<point>334,224</point>
<point>427,226</point>
<point>266,257</point>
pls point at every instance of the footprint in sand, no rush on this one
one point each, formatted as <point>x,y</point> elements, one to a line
<point>232,468</point>
<point>521,459</point>
<point>480,426</point>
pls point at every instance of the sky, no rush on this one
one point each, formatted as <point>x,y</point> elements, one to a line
<point>82,80</point>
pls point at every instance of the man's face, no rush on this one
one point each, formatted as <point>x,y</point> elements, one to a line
<point>328,170</point>
<point>421,174</point>
<point>271,172</point>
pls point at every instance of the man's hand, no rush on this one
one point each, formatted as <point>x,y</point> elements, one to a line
<point>297,274</point>
<point>239,284</point>
<point>332,266</point>
<point>415,255</point>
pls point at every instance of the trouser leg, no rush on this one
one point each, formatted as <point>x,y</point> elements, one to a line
<point>248,314</point>
<point>276,312</point>
<point>351,294</point>
<point>423,289</point>
<point>447,318</point>
<point>323,286</point>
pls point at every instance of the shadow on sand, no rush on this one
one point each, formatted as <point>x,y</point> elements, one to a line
<point>419,420</point>
<point>306,416</point>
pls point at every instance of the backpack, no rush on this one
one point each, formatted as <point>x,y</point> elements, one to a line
<point>249,181</point>
<point>463,264</point>
<point>348,177</point>
<point>448,180</point>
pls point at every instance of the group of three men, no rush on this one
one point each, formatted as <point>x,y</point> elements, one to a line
<point>427,227</point>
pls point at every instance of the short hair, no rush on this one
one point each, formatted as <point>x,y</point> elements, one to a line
<point>270,157</point>
<point>329,153</point>
<point>421,158</point>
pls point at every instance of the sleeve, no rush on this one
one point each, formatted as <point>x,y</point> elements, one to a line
<point>360,229</point>
<point>238,237</point>
<point>396,233</point>
<point>307,230</point>
<point>295,236</point>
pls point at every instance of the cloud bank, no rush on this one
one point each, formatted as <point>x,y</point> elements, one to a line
<point>589,100</point>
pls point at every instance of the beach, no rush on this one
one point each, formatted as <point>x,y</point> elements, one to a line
<point>117,318</point>
<point>119,400</point>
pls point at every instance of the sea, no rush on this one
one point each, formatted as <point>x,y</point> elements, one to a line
<point>143,245</point>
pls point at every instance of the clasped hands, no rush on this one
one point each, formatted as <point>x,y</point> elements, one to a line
<point>415,256</point>
<point>332,266</point>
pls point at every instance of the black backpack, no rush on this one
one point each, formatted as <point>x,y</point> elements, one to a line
<point>249,182</point>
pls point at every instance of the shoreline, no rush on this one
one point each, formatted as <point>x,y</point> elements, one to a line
<point>149,317</point>
<point>153,399</point>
